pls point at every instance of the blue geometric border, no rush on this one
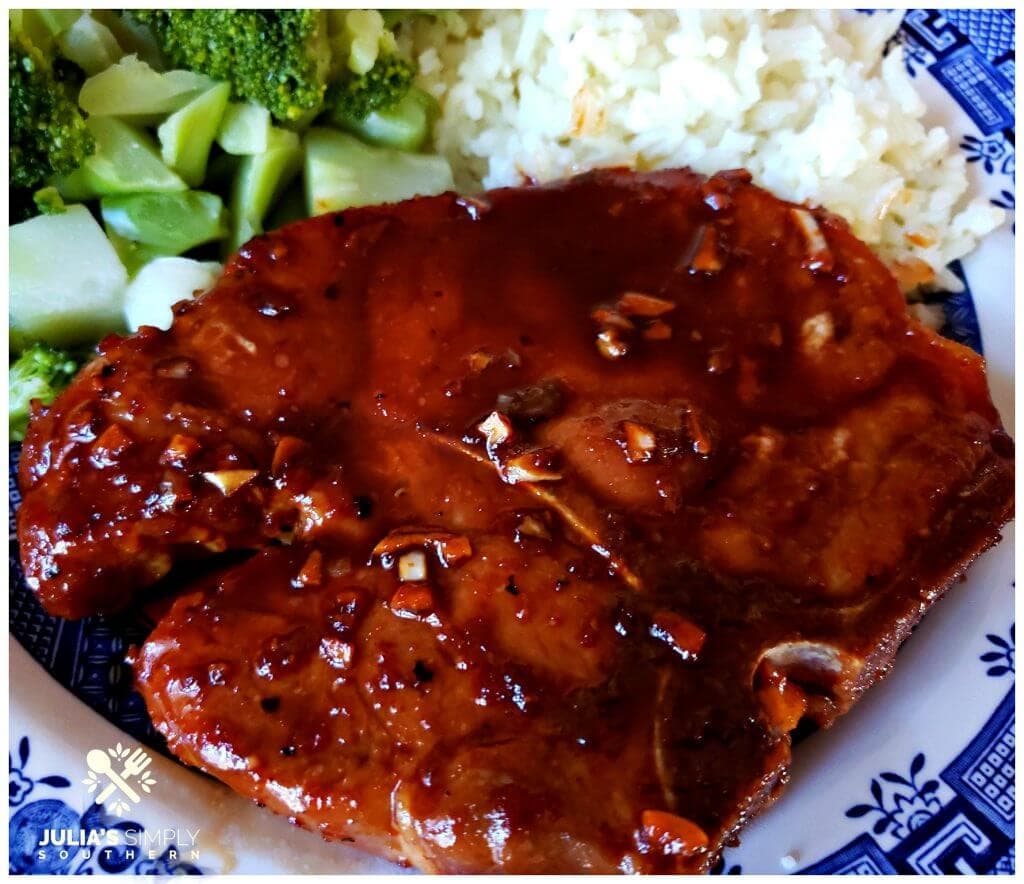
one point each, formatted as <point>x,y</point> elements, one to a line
<point>974,59</point>
<point>983,774</point>
<point>862,856</point>
<point>970,834</point>
<point>971,53</point>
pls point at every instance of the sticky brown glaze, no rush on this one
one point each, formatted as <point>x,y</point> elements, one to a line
<point>568,504</point>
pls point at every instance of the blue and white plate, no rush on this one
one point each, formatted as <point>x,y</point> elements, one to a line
<point>919,778</point>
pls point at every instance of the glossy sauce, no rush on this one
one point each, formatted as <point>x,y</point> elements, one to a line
<point>570,503</point>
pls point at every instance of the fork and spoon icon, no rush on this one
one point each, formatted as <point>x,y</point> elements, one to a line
<point>101,764</point>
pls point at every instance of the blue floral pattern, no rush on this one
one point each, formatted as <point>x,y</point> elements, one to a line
<point>915,56</point>
<point>972,832</point>
<point>21,784</point>
<point>904,805</point>
<point>1001,659</point>
<point>995,154</point>
<point>32,819</point>
<point>927,832</point>
<point>960,819</point>
<point>971,54</point>
<point>1005,200</point>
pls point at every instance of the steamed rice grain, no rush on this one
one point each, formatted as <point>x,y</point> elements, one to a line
<point>808,101</point>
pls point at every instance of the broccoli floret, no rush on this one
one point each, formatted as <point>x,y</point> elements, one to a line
<point>355,96</point>
<point>41,372</point>
<point>280,58</point>
<point>48,133</point>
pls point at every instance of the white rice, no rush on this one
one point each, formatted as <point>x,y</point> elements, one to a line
<point>803,99</point>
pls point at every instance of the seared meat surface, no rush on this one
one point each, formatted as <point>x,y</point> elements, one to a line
<point>567,504</point>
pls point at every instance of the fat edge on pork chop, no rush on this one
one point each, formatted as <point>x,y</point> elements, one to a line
<point>565,506</point>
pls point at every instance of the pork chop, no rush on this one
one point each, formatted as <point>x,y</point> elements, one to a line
<point>567,504</point>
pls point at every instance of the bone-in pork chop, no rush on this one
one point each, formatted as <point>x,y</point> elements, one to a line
<point>567,504</point>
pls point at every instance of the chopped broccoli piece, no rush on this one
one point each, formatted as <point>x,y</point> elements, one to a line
<point>259,181</point>
<point>169,222</point>
<point>342,172</point>
<point>356,96</point>
<point>41,372</point>
<point>358,38</point>
<point>244,129</point>
<point>127,160</point>
<point>280,58</point>
<point>90,45</point>
<point>405,125</point>
<point>186,136</point>
<point>133,90</point>
<point>132,37</point>
<point>41,27</point>
<point>48,201</point>
<point>65,279</point>
<point>48,133</point>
